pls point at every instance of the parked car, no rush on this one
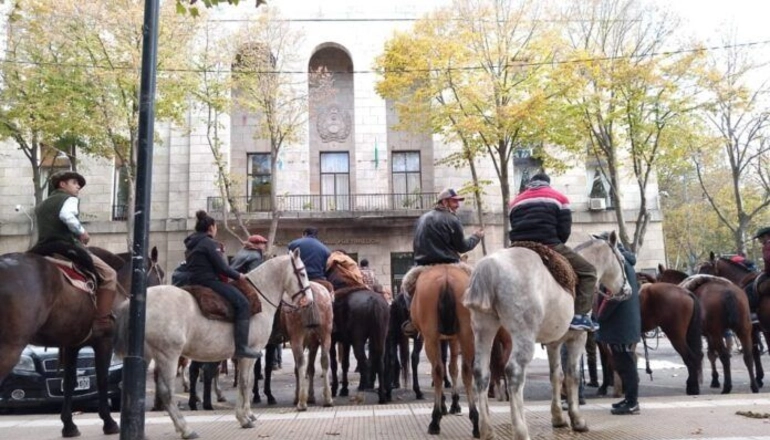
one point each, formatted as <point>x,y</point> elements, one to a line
<point>36,380</point>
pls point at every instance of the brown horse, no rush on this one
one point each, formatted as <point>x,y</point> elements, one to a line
<point>758,294</point>
<point>312,339</point>
<point>671,276</point>
<point>724,306</point>
<point>438,313</point>
<point>678,313</point>
<point>41,307</point>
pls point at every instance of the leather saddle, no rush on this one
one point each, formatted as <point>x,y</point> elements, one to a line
<point>214,306</point>
<point>73,261</point>
<point>556,264</point>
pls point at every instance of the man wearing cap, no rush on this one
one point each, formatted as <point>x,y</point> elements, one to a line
<point>58,221</point>
<point>439,239</point>
<point>250,255</point>
<point>542,214</point>
<point>763,235</point>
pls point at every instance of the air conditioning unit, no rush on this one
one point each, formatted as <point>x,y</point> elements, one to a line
<point>597,204</point>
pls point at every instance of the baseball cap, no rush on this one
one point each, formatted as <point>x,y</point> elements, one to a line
<point>449,193</point>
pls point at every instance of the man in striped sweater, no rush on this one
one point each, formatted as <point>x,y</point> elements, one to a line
<point>542,214</point>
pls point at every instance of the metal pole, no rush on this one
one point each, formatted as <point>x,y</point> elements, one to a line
<point>134,368</point>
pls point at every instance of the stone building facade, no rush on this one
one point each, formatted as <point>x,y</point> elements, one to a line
<point>353,176</point>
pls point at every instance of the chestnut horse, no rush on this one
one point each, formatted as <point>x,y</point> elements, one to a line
<point>758,294</point>
<point>438,313</point>
<point>678,313</point>
<point>39,306</point>
<point>725,307</point>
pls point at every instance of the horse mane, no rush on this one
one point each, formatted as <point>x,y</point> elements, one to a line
<point>735,264</point>
<point>587,244</point>
<point>693,282</point>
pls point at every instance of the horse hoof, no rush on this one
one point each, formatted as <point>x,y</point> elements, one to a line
<point>434,429</point>
<point>256,399</point>
<point>111,428</point>
<point>602,391</point>
<point>252,417</point>
<point>455,409</point>
<point>221,399</point>
<point>208,407</point>
<point>311,400</point>
<point>580,427</point>
<point>72,432</point>
<point>328,404</point>
<point>419,396</point>
<point>560,424</point>
<point>344,392</point>
<point>247,425</point>
<point>271,401</point>
<point>301,408</point>
<point>727,390</point>
<point>191,435</point>
<point>715,384</point>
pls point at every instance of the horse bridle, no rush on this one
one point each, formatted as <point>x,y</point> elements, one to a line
<point>297,271</point>
<point>618,258</point>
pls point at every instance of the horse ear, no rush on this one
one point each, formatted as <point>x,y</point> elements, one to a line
<point>712,257</point>
<point>295,253</point>
<point>154,254</point>
<point>613,238</point>
<point>661,268</point>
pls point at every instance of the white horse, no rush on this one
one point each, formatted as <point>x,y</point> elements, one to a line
<point>175,327</point>
<point>512,288</point>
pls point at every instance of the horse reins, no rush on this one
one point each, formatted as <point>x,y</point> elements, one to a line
<point>622,269</point>
<point>297,271</point>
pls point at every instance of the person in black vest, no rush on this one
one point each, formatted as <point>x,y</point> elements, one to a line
<point>620,327</point>
<point>58,221</point>
<point>249,257</point>
<point>205,263</point>
<point>542,214</point>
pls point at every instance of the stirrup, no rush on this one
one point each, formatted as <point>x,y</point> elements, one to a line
<point>409,329</point>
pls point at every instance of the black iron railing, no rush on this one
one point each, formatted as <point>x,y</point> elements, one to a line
<point>338,202</point>
<point>119,212</point>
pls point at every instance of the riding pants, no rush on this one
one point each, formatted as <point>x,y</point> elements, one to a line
<point>232,295</point>
<point>586,274</point>
<point>625,365</point>
<point>107,275</point>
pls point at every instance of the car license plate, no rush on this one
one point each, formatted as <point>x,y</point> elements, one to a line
<point>82,383</point>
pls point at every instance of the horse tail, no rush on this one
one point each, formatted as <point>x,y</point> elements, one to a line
<point>479,295</point>
<point>694,332</point>
<point>382,317</point>
<point>731,309</point>
<point>120,337</point>
<point>447,310</point>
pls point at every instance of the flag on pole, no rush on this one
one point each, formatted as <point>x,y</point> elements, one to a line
<point>376,154</point>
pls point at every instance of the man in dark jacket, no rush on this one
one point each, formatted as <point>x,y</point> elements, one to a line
<point>58,220</point>
<point>542,214</point>
<point>763,235</point>
<point>620,327</point>
<point>313,253</point>
<point>250,256</point>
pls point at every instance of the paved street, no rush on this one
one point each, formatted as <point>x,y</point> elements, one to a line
<point>666,412</point>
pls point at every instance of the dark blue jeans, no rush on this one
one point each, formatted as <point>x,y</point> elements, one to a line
<point>232,295</point>
<point>625,366</point>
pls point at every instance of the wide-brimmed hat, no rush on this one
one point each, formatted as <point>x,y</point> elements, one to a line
<point>449,193</point>
<point>763,231</point>
<point>257,239</point>
<point>62,176</point>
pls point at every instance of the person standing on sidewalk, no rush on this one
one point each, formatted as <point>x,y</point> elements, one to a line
<point>620,327</point>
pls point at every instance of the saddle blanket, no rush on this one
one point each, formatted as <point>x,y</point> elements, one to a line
<point>214,306</point>
<point>559,267</point>
<point>73,275</point>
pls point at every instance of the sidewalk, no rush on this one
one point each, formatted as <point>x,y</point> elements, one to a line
<point>680,417</point>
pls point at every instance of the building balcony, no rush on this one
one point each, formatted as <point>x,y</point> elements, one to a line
<point>330,206</point>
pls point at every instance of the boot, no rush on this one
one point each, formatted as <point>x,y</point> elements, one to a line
<point>241,332</point>
<point>103,320</point>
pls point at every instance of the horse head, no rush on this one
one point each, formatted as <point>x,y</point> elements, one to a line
<point>609,262</point>
<point>155,274</point>
<point>297,290</point>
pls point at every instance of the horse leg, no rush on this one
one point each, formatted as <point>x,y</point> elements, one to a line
<point>484,329</point>
<point>345,357</point>
<point>257,377</point>
<point>575,348</point>
<point>215,383</point>
<point>516,374</point>
<point>377,364</point>
<point>467,351</point>
<point>209,370</point>
<point>69,356</point>
<point>242,407</point>
<point>333,367</point>
<point>185,373</point>
<point>756,352</point>
<point>680,345</point>
<point>746,341</point>
<point>712,355</point>
<point>325,349</point>
<point>444,357</point>
<point>195,369</point>
<point>454,346</point>
<point>359,351</point>
<point>164,387</point>
<point>608,377</point>
<point>433,352</point>
<point>269,360</point>
<point>418,343</point>
<point>312,351</point>
<point>103,357</point>
<point>300,367</point>
<point>555,369</point>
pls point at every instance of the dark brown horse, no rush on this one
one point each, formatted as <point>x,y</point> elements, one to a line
<point>758,294</point>
<point>40,307</point>
<point>725,307</point>
<point>438,313</point>
<point>678,313</point>
<point>671,276</point>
